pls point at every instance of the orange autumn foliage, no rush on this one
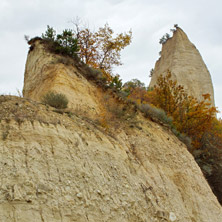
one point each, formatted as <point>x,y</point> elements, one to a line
<point>100,49</point>
<point>190,116</point>
<point>137,92</point>
<point>140,96</point>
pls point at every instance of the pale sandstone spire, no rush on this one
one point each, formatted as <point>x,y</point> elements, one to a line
<point>184,61</point>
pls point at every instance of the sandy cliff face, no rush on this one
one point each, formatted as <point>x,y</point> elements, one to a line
<point>182,58</point>
<point>60,168</point>
<point>46,72</point>
<point>65,167</point>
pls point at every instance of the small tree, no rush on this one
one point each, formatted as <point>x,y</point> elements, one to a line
<point>116,83</point>
<point>162,40</point>
<point>67,42</point>
<point>50,34</point>
<point>100,49</point>
<point>133,84</point>
<point>137,91</point>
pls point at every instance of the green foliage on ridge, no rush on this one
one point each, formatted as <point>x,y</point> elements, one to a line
<point>64,43</point>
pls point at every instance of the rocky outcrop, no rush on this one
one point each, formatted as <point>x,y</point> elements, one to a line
<point>181,57</point>
<point>57,167</point>
<point>46,72</point>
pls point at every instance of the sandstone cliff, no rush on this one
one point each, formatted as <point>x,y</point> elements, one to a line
<point>65,166</point>
<point>45,72</point>
<point>182,58</point>
<point>60,168</point>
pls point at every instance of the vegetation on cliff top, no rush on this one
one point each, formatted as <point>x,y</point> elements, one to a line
<point>97,49</point>
<point>100,50</point>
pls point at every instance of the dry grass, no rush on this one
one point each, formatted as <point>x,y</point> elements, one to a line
<point>56,100</point>
<point>21,109</point>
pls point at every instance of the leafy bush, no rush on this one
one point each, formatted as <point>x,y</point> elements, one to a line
<point>57,100</point>
<point>133,84</point>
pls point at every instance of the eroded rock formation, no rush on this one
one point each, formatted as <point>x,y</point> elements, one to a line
<point>59,168</point>
<point>182,58</point>
<point>46,72</point>
<point>62,166</point>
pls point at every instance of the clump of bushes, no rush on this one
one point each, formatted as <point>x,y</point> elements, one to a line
<point>155,113</point>
<point>91,73</point>
<point>57,100</point>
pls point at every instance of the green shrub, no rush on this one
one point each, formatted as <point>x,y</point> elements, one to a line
<point>57,100</point>
<point>155,113</point>
<point>116,83</point>
<point>91,73</point>
<point>122,94</point>
<point>64,43</point>
<point>67,43</point>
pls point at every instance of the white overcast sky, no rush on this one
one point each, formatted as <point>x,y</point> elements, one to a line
<point>149,20</point>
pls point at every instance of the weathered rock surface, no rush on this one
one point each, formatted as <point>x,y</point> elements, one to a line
<point>184,61</point>
<point>73,170</point>
<point>66,167</point>
<point>46,72</point>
